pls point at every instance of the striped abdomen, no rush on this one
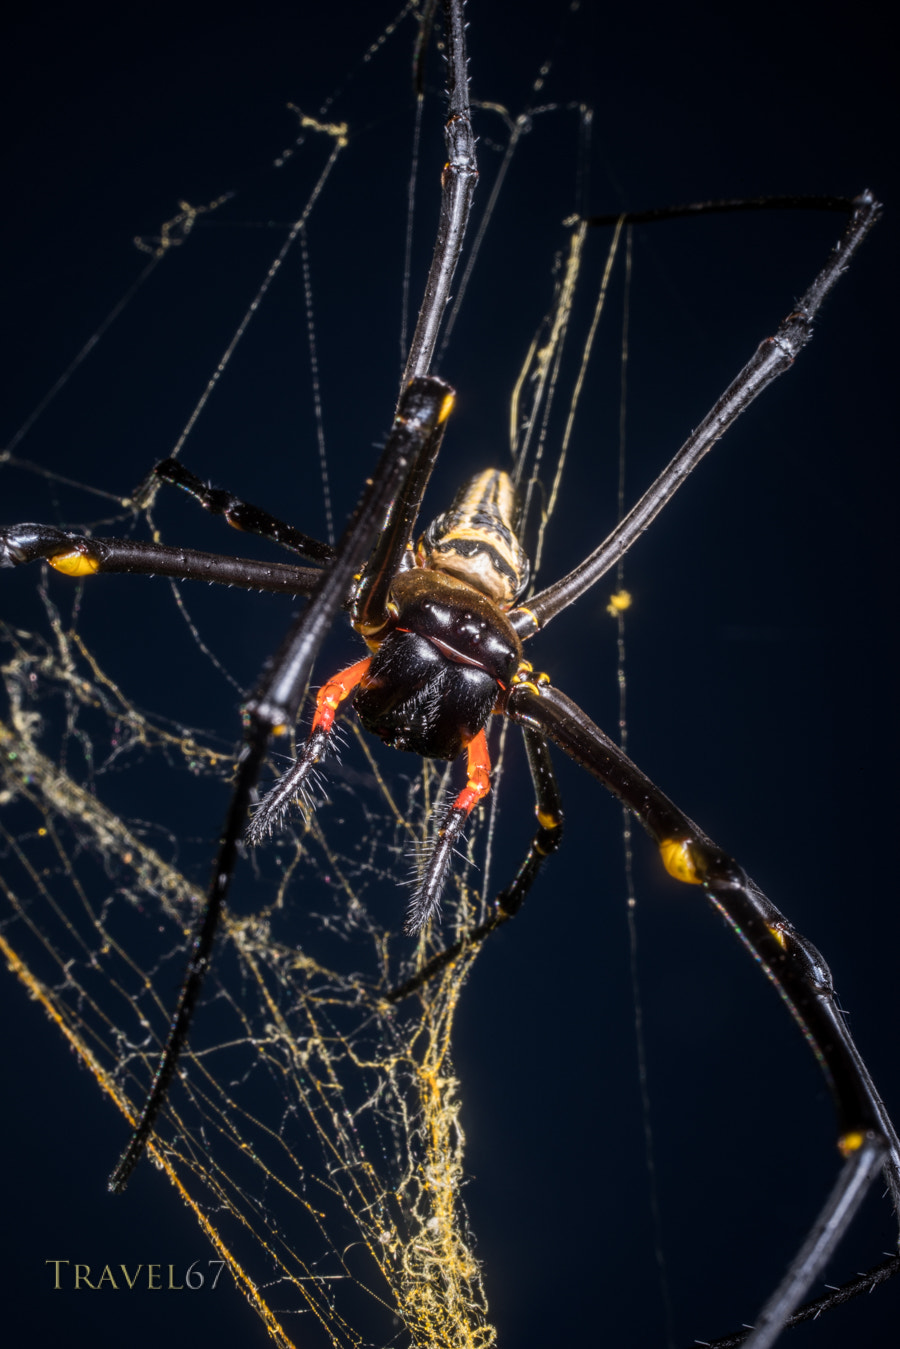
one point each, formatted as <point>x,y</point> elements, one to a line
<point>476,539</point>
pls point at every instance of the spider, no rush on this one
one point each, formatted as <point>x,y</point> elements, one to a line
<point>520,707</point>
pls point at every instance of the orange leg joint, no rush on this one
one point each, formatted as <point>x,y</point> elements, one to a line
<point>336,691</point>
<point>478,779</point>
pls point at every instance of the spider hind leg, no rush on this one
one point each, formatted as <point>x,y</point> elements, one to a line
<point>426,900</point>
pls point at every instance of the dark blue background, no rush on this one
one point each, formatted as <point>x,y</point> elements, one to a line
<point>761,647</point>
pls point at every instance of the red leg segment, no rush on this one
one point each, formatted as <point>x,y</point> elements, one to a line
<point>336,691</point>
<point>478,778</point>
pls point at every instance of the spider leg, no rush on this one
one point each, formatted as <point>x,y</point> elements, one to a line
<point>866,1136</point>
<point>77,555</point>
<point>426,901</point>
<point>546,840</point>
<point>394,550</point>
<point>371,613</point>
<point>241,514</point>
<point>273,805</point>
<point>549,833</point>
<point>457,187</point>
<point>810,1311</point>
<point>772,358</point>
<point>726,207</point>
<point>848,1192</point>
<point>273,709</point>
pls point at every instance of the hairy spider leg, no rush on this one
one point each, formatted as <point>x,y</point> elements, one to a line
<point>332,694</point>
<point>371,616</point>
<point>426,901</point>
<point>546,840</point>
<point>293,783</point>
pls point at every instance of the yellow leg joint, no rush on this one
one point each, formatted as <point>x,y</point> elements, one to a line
<point>850,1143</point>
<point>678,860</point>
<point>526,675</point>
<point>74,564</point>
<point>523,609</point>
<point>780,937</point>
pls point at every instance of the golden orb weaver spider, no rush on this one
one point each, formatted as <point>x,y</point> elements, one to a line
<point>549,663</point>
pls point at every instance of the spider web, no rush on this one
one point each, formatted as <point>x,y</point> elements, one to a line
<point>307,1059</point>
<point>315,1132</point>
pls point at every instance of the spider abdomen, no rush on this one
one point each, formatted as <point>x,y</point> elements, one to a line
<point>476,540</point>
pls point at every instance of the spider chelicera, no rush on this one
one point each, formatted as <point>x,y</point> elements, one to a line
<point>446,625</point>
